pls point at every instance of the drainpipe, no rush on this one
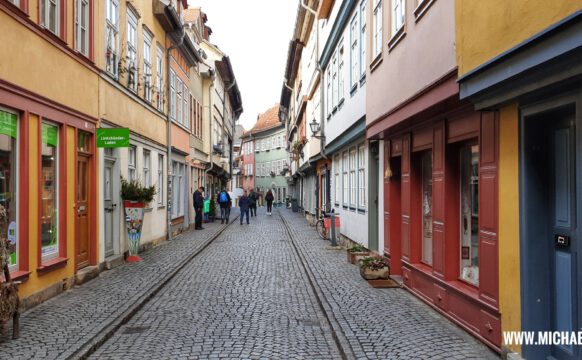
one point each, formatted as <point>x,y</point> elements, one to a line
<point>226,90</point>
<point>169,138</point>
<point>210,130</point>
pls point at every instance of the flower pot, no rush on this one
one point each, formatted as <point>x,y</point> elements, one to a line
<point>370,274</point>
<point>133,224</point>
<point>354,257</point>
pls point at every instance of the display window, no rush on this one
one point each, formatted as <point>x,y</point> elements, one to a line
<point>50,191</point>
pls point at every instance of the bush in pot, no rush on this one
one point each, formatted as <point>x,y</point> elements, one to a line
<point>357,252</point>
<point>372,268</point>
<point>135,198</point>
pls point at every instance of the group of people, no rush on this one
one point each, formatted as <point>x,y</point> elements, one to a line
<point>247,204</point>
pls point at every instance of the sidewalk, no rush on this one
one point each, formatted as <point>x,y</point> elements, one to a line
<point>71,323</point>
<point>377,323</point>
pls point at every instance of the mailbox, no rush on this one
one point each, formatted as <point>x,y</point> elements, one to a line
<point>562,241</point>
<point>327,222</point>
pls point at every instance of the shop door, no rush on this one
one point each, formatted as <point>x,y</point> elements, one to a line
<point>109,208</point>
<point>562,238</point>
<point>82,206</point>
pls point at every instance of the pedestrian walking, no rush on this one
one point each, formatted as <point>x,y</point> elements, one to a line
<point>224,201</point>
<point>253,197</point>
<point>269,198</point>
<point>244,204</point>
<point>198,200</point>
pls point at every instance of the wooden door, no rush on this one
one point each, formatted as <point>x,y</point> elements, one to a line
<point>82,207</point>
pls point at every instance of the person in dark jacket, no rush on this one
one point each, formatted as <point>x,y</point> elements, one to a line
<point>224,201</point>
<point>253,197</point>
<point>269,198</point>
<point>244,203</point>
<point>198,200</point>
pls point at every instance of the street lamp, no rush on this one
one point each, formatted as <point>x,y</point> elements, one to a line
<point>315,128</point>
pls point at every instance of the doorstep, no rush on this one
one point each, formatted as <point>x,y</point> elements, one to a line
<point>112,262</point>
<point>86,274</point>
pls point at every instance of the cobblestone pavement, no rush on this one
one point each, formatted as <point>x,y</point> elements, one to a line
<point>245,296</point>
<point>80,317</point>
<point>377,323</point>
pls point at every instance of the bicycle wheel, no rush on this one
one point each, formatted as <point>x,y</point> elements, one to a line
<point>321,230</point>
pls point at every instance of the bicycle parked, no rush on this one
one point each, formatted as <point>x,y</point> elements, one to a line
<point>320,225</point>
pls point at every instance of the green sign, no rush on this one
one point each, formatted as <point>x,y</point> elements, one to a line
<point>50,134</point>
<point>113,138</point>
<point>7,124</point>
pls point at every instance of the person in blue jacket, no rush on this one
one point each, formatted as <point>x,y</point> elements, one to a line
<point>244,203</point>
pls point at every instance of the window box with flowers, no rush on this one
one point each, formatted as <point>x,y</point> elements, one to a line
<point>377,271</point>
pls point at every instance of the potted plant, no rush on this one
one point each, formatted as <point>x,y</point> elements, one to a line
<point>212,209</point>
<point>135,198</point>
<point>357,252</point>
<point>377,271</point>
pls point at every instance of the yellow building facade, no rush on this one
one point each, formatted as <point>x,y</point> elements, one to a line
<point>47,148</point>
<point>521,59</point>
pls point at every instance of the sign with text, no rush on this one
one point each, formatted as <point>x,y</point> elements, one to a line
<point>113,138</point>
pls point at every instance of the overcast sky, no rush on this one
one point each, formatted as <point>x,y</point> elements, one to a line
<point>255,35</point>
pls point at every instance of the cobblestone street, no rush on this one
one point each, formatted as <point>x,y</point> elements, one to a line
<point>264,290</point>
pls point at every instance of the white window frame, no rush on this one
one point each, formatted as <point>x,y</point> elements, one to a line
<point>112,37</point>
<point>354,52</point>
<point>186,102</point>
<point>179,92</point>
<point>341,72</point>
<point>131,163</point>
<point>377,39</point>
<point>345,180</point>
<point>132,55</point>
<point>353,178</point>
<point>329,91</point>
<point>337,182</point>
<point>334,81</point>
<point>147,65</point>
<point>160,77</point>
<point>172,95</point>
<point>160,185</point>
<point>362,177</point>
<point>45,10</point>
<point>363,40</point>
<point>82,31</point>
<point>15,2</point>
<point>147,168</point>
<point>398,13</point>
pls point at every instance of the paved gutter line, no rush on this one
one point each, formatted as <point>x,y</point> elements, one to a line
<point>337,332</point>
<point>89,347</point>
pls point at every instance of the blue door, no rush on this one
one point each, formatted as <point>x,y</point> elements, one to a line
<point>562,241</point>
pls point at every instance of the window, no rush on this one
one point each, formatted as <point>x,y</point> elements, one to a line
<point>398,11</point>
<point>15,2</point>
<point>179,93</point>
<point>363,38</point>
<point>147,65</point>
<point>377,43</point>
<point>354,52</point>
<point>131,162</point>
<point>112,31</point>
<point>185,112</point>
<point>353,183</point>
<point>426,161</point>
<point>131,50</point>
<point>345,179</point>
<point>160,185</point>
<point>469,226</point>
<point>147,164</point>
<point>50,15</point>
<point>8,185</point>
<point>329,79</point>
<point>340,85</point>
<point>362,177</point>
<point>50,192</point>
<point>334,80</point>
<point>160,78</point>
<point>178,191</point>
<point>336,179</point>
<point>172,95</point>
<point>81,26</point>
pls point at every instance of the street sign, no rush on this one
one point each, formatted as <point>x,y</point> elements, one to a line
<point>112,137</point>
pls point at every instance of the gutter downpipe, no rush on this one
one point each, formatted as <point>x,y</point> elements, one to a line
<point>169,138</point>
<point>210,131</point>
<point>223,125</point>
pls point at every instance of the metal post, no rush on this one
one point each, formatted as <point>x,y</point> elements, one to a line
<point>333,239</point>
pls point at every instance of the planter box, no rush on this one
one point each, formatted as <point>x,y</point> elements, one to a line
<point>384,283</point>
<point>369,274</point>
<point>354,257</point>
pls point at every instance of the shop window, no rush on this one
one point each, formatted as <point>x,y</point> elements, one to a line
<point>160,184</point>
<point>346,183</point>
<point>362,177</point>
<point>426,169</point>
<point>8,191</point>
<point>353,183</point>
<point>469,214</point>
<point>50,192</point>
<point>336,179</point>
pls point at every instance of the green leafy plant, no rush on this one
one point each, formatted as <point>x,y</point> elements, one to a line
<point>357,248</point>
<point>212,209</point>
<point>134,191</point>
<point>374,263</point>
